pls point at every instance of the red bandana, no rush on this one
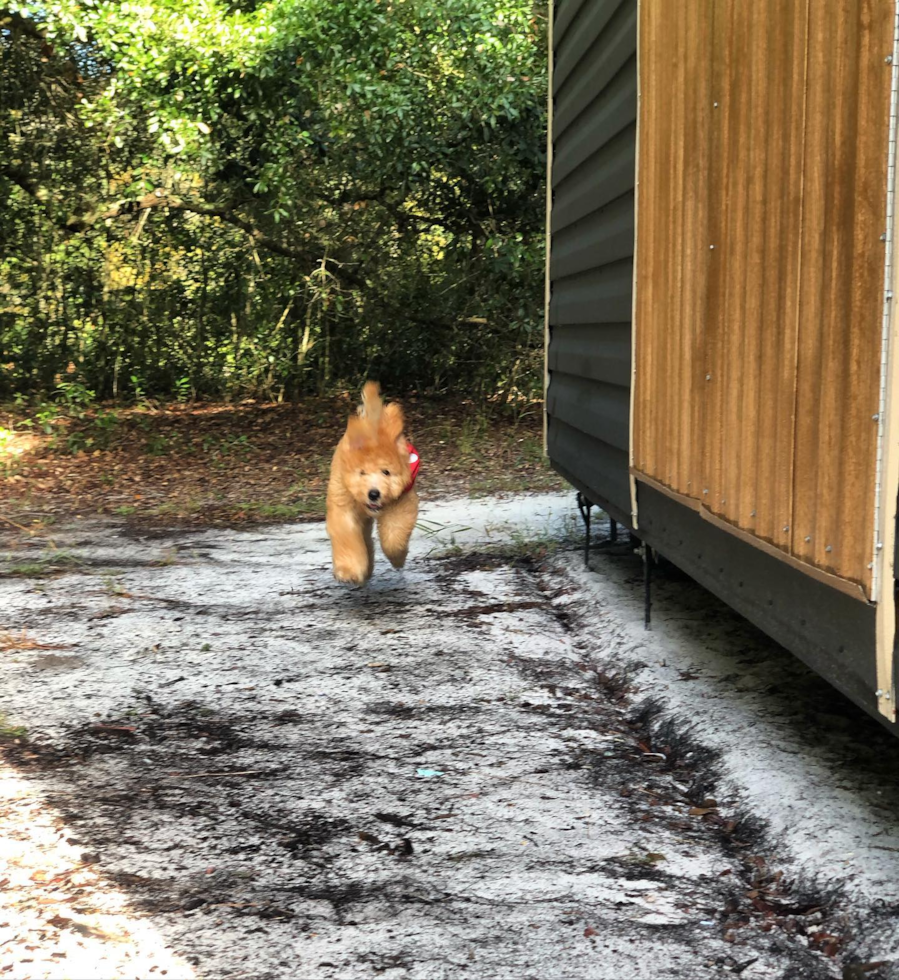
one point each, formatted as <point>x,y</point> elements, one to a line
<point>414,463</point>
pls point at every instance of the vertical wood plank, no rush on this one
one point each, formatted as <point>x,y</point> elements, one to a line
<point>759,270</point>
<point>837,384</point>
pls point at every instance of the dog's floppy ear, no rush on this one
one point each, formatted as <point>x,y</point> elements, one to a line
<point>392,421</point>
<point>358,432</point>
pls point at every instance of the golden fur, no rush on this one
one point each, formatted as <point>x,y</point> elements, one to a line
<point>369,474</point>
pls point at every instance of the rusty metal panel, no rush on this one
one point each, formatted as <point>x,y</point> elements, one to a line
<point>761,200</point>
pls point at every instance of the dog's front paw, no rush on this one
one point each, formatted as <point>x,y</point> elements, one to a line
<point>350,576</point>
<point>398,561</point>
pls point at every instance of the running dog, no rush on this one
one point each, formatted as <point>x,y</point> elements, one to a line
<point>372,479</point>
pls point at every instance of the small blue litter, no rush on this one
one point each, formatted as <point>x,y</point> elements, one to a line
<point>428,773</point>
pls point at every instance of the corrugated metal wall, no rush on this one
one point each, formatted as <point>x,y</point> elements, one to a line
<point>592,245</point>
<point>763,168</point>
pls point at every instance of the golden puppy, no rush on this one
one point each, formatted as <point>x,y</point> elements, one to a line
<point>372,476</point>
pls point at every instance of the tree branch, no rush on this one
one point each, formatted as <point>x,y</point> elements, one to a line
<point>21,179</point>
<point>160,199</point>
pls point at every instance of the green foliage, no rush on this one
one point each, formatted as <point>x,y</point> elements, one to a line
<point>271,198</point>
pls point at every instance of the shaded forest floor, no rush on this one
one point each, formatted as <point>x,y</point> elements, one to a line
<point>221,464</point>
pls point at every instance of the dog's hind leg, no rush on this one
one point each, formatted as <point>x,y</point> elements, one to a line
<point>395,528</point>
<point>351,547</point>
<point>370,546</point>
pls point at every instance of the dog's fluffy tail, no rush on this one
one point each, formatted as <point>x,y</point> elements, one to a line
<point>372,402</point>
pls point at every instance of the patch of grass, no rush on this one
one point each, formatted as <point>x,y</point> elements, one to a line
<point>126,510</point>
<point>114,586</point>
<point>8,731</point>
<point>45,565</point>
<point>30,570</point>
<point>515,544</point>
<point>178,508</point>
<point>500,482</point>
<point>528,449</point>
<point>228,445</point>
<point>471,435</point>
<point>158,444</point>
<point>443,536</point>
<point>169,558</point>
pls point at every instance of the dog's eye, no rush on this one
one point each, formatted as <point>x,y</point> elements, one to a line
<point>386,472</point>
<point>361,472</point>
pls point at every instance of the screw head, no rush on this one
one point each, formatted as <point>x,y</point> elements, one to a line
<point>705,491</point>
<point>888,60</point>
<point>875,417</point>
<point>829,548</point>
<point>752,513</point>
<point>808,538</point>
<point>786,527</point>
<point>708,377</point>
<point>883,237</point>
<point>711,247</point>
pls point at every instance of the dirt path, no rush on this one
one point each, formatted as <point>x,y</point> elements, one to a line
<point>232,767</point>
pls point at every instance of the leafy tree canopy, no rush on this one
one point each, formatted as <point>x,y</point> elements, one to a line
<point>281,195</point>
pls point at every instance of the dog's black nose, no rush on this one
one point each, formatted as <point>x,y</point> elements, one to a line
<point>373,495</point>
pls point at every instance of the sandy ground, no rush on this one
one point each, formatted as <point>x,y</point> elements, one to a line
<point>483,766</point>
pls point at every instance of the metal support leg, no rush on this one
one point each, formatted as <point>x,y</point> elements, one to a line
<point>647,585</point>
<point>585,506</point>
<point>613,530</point>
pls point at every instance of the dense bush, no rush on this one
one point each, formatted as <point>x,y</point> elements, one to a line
<point>270,198</point>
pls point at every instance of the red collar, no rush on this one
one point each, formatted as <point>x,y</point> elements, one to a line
<point>414,463</point>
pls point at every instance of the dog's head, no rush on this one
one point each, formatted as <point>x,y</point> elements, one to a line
<point>375,453</point>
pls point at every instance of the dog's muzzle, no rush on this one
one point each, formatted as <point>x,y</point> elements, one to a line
<point>374,499</point>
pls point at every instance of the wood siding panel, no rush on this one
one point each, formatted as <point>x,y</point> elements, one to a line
<point>572,51</point>
<point>842,281</point>
<point>673,242</point>
<point>762,193</point>
<point>600,295</point>
<point>594,408</point>
<point>600,238</point>
<point>609,174</point>
<point>599,468</point>
<point>591,245</point>
<point>755,204</point>
<point>612,111</point>
<point>595,73</point>
<point>565,13</point>
<point>601,352</point>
